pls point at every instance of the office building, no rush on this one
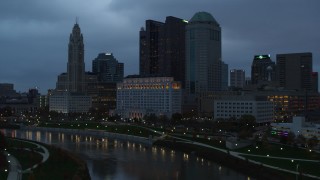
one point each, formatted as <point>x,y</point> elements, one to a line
<point>236,106</point>
<point>7,89</point>
<point>71,87</point>
<point>103,96</point>
<point>150,45</point>
<point>295,71</point>
<point>68,102</point>
<point>224,76</point>
<point>315,81</point>
<point>237,78</point>
<point>162,49</point>
<point>137,97</point>
<point>107,68</point>
<point>263,69</point>
<point>203,54</point>
<point>76,66</point>
<point>298,126</point>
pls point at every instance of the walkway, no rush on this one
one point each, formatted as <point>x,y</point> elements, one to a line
<point>15,167</point>
<point>15,172</point>
<point>45,155</point>
<point>238,155</point>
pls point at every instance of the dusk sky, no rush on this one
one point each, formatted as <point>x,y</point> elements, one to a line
<point>34,34</point>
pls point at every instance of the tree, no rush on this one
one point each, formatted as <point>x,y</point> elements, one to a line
<point>246,126</point>
<point>312,142</point>
<point>2,141</point>
<point>301,140</point>
<point>176,117</point>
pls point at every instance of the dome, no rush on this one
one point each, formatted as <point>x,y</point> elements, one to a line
<point>269,68</point>
<point>203,17</point>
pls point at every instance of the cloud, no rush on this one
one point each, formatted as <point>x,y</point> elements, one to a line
<point>34,34</point>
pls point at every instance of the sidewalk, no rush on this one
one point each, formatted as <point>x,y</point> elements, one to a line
<point>15,167</point>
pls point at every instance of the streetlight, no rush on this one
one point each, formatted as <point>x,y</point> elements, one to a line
<point>297,168</point>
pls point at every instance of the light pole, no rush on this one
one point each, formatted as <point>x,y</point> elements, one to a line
<point>297,169</point>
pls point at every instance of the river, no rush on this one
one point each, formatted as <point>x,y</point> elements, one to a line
<point>120,160</point>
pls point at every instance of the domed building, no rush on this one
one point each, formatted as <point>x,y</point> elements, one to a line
<point>203,54</point>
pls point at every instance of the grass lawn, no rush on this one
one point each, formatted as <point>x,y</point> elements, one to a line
<point>275,150</point>
<point>26,158</point>
<point>306,167</point>
<point>58,166</point>
<point>3,165</point>
<point>211,142</point>
<point>122,129</point>
<point>19,144</point>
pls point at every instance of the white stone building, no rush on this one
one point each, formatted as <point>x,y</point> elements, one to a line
<point>236,106</point>
<point>137,97</point>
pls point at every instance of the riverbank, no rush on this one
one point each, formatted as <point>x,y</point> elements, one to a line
<point>250,168</point>
<point>59,164</point>
<point>244,166</point>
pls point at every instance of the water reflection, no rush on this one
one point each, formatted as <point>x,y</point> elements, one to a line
<point>114,159</point>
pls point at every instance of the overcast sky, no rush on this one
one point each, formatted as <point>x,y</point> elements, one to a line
<point>34,34</point>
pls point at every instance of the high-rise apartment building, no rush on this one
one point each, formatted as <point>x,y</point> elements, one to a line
<point>162,49</point>
<point>203,54</point>
<point>295,71</point>
<point>76,66</point>
<point>107,68</point>
<point>263,69</point>
<point>237,78</point>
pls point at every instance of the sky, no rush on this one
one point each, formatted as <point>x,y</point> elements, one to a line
<point>34,34</point>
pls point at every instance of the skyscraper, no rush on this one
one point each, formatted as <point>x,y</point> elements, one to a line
<point>203,54</point>
<point>71,88</point>
<point>107,68</point>
<point>237,78</point>
<point>150,45</point>
<point>76,66</point>
<point>295,71</point>
<point>263,69</point>
<point>162,49</point>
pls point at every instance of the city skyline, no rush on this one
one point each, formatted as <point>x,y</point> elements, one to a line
<point>34,38</point>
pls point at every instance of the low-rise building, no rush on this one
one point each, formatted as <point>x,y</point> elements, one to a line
<point>137,97</point>
<point>298,126</point>
<point>66,102</point>
<point>236,106</point>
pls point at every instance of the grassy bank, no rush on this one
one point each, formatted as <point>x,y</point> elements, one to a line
<point>60,165</point>
<point>243,166</point>
<point>3,166</point>
<point>122,129</point>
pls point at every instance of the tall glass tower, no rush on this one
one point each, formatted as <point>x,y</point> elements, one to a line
<point>76,66</point>
<point>203,54</point>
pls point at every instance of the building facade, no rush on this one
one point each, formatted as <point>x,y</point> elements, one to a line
<point>295,71</point>
<point>67,102</point>
<point>107,68</point>
<point>298,126</point>
<point>162,49</point>
<point>237,78</point>
<point>203,54</point>
<point>76,66</point>
<point>236,106</point>
<point>137,97</point>
<point>103,95</point>
<point>263,69</point>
